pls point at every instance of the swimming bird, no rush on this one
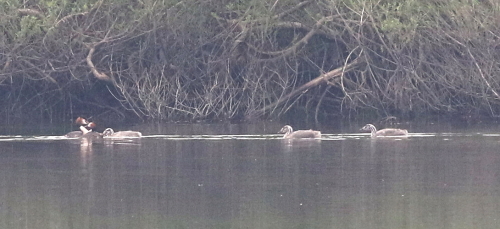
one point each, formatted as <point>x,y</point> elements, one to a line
<point>110,133</point>
<point>384,132</point>
<point>289,133</point>
<point>74,134</point>
<point>91,134</point>
<point>85,127</point>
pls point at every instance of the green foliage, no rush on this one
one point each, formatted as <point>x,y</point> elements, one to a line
<point>56,7</point>
<point>400,20</point>
<point>250,10</point>
<point>30,27</point>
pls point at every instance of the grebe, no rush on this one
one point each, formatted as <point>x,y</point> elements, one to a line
<point>85,128</point>
<point>384,132</point>
<point>91,135</point>
<point>110,133</point>
<point>289,133</point>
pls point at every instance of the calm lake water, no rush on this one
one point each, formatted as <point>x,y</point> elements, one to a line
<point>251,178</point>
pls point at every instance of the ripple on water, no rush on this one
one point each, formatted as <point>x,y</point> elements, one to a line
<point>325,137</point>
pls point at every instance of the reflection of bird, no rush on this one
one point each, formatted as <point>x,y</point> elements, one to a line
<point>289,133</point>
<point>110,133</point>
<point>384,132</point>
<point>85,128</point>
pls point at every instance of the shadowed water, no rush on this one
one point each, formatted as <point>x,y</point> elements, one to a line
<point>428,180</point>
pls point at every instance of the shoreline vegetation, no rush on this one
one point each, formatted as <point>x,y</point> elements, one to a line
<point>215,60</point>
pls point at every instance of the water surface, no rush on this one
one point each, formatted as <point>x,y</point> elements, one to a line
<point>247,179</point>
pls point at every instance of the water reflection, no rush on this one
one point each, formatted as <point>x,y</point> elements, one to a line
<point>86,151</point>
<point>291,145</point>
<point>251,181</point>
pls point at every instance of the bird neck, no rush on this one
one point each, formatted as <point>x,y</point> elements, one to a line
<point>84,130</point>
<point>373,130</point>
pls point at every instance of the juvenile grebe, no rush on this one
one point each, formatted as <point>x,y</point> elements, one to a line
<point>384,132</point>
<point>289,133</point>
<point>110,133</point>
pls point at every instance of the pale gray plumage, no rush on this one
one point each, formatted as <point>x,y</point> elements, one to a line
<point>289,133</point>
<point>384,132</point>
<point>110,133</point>
<point>92,135</point>
<point>73,134</point>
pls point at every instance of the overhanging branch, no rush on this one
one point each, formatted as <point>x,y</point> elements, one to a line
<point>323,78</point>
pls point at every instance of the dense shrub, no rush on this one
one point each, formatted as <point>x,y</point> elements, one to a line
<point>219,60</point>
